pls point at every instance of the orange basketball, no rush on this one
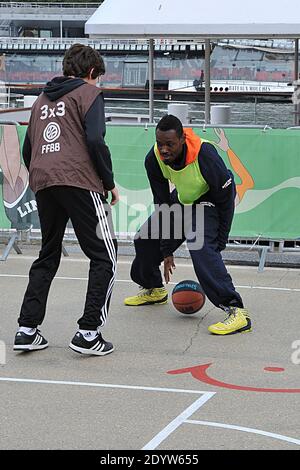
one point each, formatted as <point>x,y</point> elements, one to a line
<point>188,297</point>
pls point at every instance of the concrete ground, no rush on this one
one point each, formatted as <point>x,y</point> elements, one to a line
<point>233,392</point>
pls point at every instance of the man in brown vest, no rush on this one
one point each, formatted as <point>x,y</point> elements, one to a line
<point>70,171</point>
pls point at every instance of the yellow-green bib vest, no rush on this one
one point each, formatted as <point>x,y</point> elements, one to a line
<point>189,181</point>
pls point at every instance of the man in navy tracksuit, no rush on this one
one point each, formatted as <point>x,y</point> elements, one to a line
<point>205,186</point>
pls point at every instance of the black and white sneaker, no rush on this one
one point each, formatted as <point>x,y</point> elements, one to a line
<point>96,347</point>
<point>24,342</point>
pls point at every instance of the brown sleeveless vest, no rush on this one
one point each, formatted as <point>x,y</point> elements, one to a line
<point>59,155</point>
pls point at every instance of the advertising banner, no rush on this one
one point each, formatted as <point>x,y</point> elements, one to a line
<point>265,164</point>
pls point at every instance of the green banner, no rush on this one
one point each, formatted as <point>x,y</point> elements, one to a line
<point>266,166</point>
<point>265,163</point>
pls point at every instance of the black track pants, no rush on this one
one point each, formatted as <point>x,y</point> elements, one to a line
<point>90,216</point>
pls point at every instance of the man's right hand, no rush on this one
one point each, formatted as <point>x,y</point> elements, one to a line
<point>169,265</point>
<point>114,196</point>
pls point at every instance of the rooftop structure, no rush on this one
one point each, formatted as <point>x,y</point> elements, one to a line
<point>35,36</point>
<point>45,19</point>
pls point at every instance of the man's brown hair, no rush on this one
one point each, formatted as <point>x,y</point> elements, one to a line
<point>79,60</point>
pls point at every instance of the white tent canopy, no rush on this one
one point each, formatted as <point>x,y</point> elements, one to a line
<point>193,18</point>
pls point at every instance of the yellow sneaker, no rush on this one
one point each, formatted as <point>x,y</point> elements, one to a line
<point>156,295</point>
<point>237,321</point>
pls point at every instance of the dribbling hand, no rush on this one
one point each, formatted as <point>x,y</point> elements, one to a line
<point>169,266</point>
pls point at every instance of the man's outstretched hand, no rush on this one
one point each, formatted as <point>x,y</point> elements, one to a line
<point>169,266</point>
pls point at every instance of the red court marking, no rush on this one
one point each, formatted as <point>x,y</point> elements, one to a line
<point>274,369</point>
<point>200,373</point>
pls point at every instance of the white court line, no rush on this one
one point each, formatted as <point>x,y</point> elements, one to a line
<point>179,265</point>
<point>162,435</point>
<point>92,384</point>
<point>180,419</point>
<point>250,430</point>
<point>281,289</point>
<point>61,278</point>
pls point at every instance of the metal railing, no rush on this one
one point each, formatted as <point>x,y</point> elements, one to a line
<point>24,41</point>
<point>280,44</point>
<point>253,116</point>
<point>32,7</point>
<point>266,249</point>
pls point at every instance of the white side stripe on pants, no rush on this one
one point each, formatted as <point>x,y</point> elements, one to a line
<point>113,251</point>
<point>106,235</point>
<point>107,238</point>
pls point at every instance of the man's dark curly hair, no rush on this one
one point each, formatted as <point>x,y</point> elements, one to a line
<point>79,60</point>
<point>169,122</point>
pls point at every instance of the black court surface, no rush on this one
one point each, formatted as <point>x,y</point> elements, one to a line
<point>169,384</point>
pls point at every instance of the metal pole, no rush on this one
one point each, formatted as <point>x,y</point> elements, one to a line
<point>151,80</point>
<point>207,81</point>
<point>255,110</point>
<point>61,28</point>
<point>296,77</point>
